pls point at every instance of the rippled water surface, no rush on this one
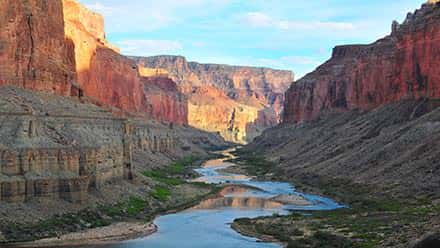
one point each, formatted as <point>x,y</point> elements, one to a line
<point>208,224</point>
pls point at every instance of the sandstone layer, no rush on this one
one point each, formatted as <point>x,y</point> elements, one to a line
<point>245,100</point>
<point>34,52</point>
<point>60,47</point>
<point>162,100</point>
<point>113,79</point>
<point>403,65</point>
<point>393,149</point>
<point>57,147</point>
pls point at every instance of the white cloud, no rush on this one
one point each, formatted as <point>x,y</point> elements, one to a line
<point>258,19</point>
<point>100,8</point>
<point>149,47</point>
<point>150,15</point>
<point>262,20</point>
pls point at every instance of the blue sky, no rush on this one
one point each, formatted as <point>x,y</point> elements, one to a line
<point>284,34</point>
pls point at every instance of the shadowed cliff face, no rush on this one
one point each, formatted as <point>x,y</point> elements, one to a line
<point>403,65</point>
<point>245,100</point>
<point>113,79</point>
<point>59,47</point>
<point>34,52</point>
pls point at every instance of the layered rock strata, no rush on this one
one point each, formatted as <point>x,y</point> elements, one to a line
<point>34,52</point>
<point>59,46</point>
<point>246,100</point>
<point>403,65</point>
<point>59,148</point>
<point>113,79</point>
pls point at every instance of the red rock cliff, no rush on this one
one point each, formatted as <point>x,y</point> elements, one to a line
<point>405,64</point>
<point>163,100</point>
<point>103,73</point>
<point>34,53</point>
<point>59,46</point>
<point>245,100</point>
<point>113,79</point>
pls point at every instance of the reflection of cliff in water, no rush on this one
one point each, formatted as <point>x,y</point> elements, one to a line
<point>239,202</point>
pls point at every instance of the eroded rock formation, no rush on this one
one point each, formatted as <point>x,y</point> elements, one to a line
<point>59,137</point>
<point>113,79</point>
<point>245,100</point>
<point>163,101</point>
<point>34,52</point>
<point>60,47</point>
<point>57,147</point>
<point>403,65</point>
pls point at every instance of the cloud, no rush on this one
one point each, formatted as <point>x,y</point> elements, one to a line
<point>100,8</point>
<point>258,19</point>
<point>262,20</point>
<point>151,15</point>
<point>149,47</point>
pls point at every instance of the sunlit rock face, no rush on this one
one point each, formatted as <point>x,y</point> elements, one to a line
<point>403,65</point>
<point>34,52</point>
<point>163,101</point>
<point>59,47</point>
<point>103,74</point>
<point>113,79</point>
<point>239,102</point>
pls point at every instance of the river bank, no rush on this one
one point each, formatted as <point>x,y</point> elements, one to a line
<point>97,236</point>
<point>195,208</point>
<point>159,191</point>
<point>208,224</point>
<point>372,220</point>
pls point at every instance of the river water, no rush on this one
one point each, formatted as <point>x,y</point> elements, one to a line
<point>208,224</point>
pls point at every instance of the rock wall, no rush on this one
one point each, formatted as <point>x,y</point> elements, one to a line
<point>246,100</point>
<point>55,147</point>
<point>403,65</point>
<point>393,150</point>
<point>59,46</point>
<point>34,53</point>
<point>163,101</point>
<point>113,79</point>
<point>103,74</point>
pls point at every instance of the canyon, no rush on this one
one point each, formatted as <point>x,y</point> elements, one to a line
<point>246,100</point>
<point>77,60</point>
<point>369,112</point>
<point>76,115</point>
<point>363,128</point>
<point>400,66</point>
<point>88,134</point>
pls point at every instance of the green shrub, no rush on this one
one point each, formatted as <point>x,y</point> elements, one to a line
<point>161,193</point>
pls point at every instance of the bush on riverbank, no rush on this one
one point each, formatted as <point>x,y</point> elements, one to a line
<point>372,220</point>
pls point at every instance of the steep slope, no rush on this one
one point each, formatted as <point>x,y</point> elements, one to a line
<point>364,128</point>
<point>163,101</point>
<point>113,79</point>
<point>34,53</point>
<point>394,148</point>
<point>58,147</point>
<point>403,65</point>
<point>246,100</point>
<point>60,47</point>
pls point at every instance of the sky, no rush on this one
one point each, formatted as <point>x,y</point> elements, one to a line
<point>296,35</point>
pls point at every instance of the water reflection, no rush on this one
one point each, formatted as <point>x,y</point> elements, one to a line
<point>238,202</point>
<point>208,224</point>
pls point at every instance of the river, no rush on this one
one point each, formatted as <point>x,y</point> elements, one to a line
<point>208,224</point>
